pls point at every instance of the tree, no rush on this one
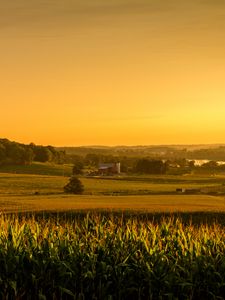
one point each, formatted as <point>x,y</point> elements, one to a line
<point>60,157</point>
<point>21,154</point>
<point>78,168</point>
<point>74,186</point>
<point>2,154</point>
<point>42,154</point>
<point>29,155</point>
<point>210,165</point>
<point>92,159</point>
<point>152,166</point>
<point>16,153</point>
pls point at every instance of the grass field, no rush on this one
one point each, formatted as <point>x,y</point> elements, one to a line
<point>23,184</point>
<point>17,193</point>
<point>28,184</point>
<point>150,203</point>
<point>37,168</point>
<point>147,185</point>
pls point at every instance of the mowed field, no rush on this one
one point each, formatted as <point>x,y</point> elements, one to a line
<point>25,192</point>
<point>150,203</point>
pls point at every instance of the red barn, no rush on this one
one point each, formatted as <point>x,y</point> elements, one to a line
<point>109,169</point>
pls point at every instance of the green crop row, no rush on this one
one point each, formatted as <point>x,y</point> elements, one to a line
<point>99,257</point>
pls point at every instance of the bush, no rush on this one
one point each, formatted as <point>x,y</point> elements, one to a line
<point>74,186</point>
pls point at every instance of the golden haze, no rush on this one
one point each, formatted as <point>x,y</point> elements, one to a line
<point>112,72</point>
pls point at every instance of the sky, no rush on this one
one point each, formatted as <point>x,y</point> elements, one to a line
<point>112,72</point>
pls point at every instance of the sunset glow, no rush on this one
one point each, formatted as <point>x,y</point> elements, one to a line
<point>113,72</point>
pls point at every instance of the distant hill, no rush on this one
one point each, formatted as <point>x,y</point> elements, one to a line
<point>210,152</point>
<point>14,153</point>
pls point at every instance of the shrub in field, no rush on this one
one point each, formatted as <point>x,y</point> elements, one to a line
<point>74,186</point>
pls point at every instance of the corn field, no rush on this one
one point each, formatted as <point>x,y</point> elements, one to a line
<point>98,257</point>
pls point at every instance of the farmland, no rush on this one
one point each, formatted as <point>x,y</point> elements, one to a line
<point>21,192</point>
<point>38,168</point>
<point>126,237</point>
<point>99,257</point>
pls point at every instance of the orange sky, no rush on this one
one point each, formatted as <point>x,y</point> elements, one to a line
<point>84,72</point>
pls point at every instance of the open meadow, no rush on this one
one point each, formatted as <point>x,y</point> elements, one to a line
<point>25,192</point>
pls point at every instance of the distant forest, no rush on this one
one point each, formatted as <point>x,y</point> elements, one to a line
<point>13,153</point>
<point>195,152</point>
<point>139,159</point>
<point>174,160</point>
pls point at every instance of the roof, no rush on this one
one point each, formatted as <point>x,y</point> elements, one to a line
<point>106,165</point>
<point>103,168</point>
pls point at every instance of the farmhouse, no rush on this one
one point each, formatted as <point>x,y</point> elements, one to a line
<point>109,169</point>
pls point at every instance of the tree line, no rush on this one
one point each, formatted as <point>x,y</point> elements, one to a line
<point>13,153</point>
<point>143,165</point>
<point>157,152</point>
<point>137,165</point>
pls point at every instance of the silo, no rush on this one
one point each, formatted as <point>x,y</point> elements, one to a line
<point>118,167</point>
